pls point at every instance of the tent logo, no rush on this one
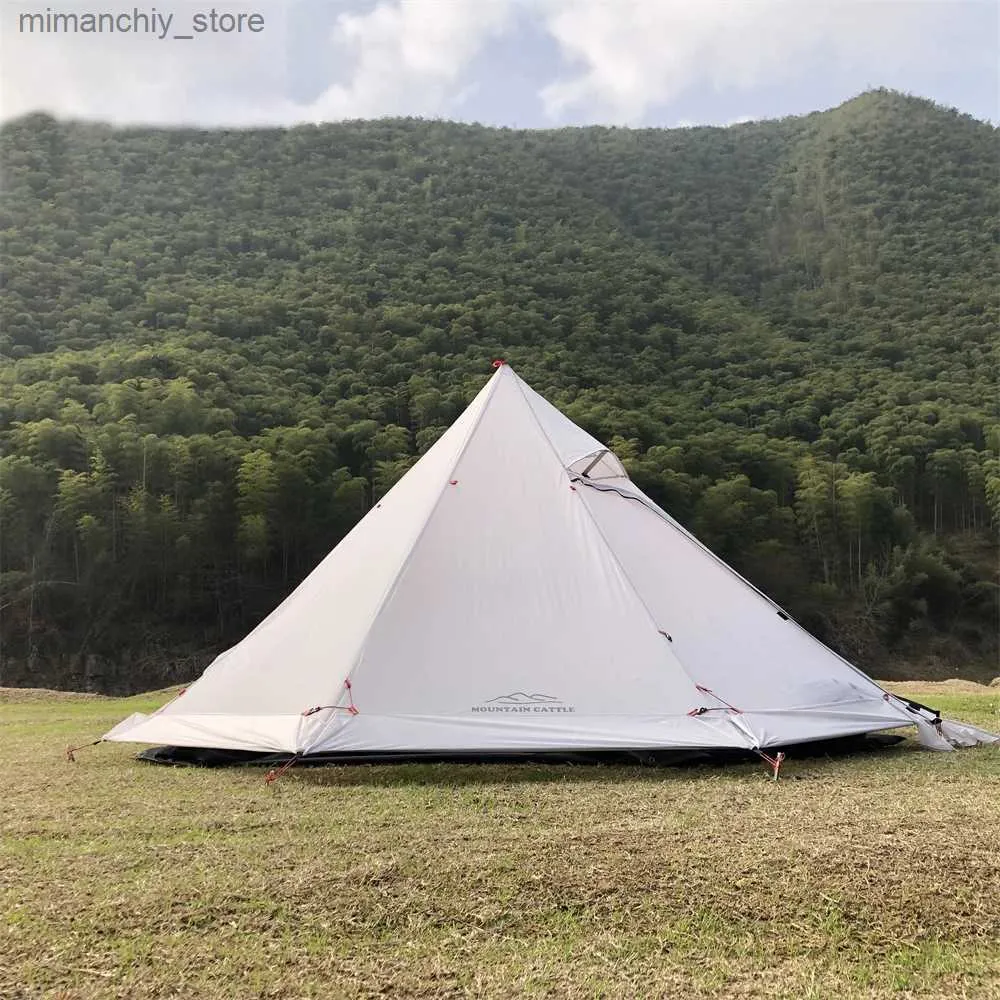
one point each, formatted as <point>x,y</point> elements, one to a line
<point>519,701</point>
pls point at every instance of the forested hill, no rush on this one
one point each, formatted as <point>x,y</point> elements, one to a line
<point>219,347</point>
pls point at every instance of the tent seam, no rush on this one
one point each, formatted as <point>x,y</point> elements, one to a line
<point>392,588</point>
<point>744,729</point>
<point>655,509</point>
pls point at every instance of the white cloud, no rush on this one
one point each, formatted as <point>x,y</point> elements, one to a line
<point>411,57</point>
<point>631,55</point>
<point>620,58</point>
<point>408,57</point>
<point>138,77</point>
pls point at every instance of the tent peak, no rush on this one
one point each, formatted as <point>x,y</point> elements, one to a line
<point>502,365</point>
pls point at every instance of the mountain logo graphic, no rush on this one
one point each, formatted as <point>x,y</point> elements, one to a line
<point>522,702</point>
<point>520,698</point>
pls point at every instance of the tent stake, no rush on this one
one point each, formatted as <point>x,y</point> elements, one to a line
<point>774,762</point>
<point>275,773</point>
<point>70,751</point>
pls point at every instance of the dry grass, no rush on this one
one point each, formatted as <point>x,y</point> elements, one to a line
<point>11,695</point>
<point>955,685</point>
<point>873,876</point>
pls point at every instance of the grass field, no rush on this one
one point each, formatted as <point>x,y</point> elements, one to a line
<point>872,876</point>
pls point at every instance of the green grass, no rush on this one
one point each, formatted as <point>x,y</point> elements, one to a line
<point>873,876</point>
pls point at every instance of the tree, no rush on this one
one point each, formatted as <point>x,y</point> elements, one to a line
<point>257,487</point>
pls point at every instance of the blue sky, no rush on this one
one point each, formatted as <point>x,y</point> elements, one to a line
<point>525,63</point>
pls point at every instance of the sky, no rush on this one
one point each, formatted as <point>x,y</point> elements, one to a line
<point>519,63</point>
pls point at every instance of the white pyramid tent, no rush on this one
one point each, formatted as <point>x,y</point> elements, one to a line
<point>515,591</point>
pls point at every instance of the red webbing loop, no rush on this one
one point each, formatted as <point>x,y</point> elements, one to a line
<point>72,750</point>
<point>704,690</point>
<point>499,363</point>
<point>350,707</point>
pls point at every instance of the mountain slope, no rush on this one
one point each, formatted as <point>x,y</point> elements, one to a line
<point>221,346</point>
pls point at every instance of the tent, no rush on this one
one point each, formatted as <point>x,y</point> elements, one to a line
<point>515,592</point>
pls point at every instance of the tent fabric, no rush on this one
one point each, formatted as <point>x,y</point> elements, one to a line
<point>515,591</point>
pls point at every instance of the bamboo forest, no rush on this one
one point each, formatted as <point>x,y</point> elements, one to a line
<point>218,349</point>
